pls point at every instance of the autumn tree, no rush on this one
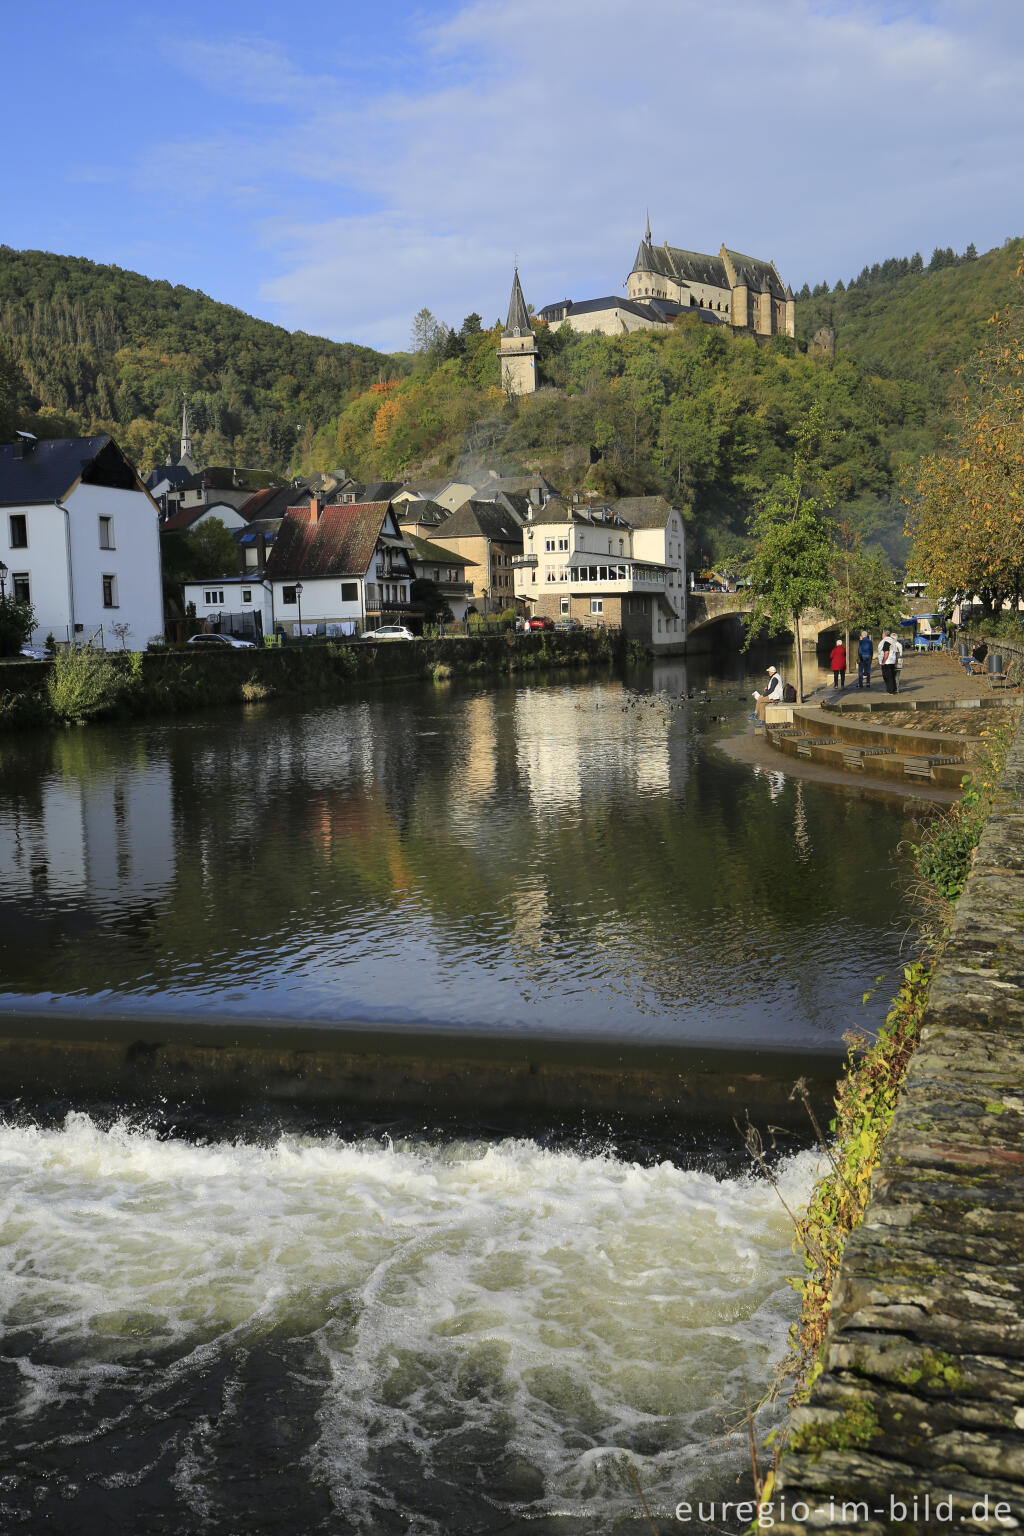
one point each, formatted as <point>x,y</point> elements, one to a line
<point>965,507</point>
<point>791,567</point>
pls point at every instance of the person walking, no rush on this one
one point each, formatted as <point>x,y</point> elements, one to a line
<point>837,662</point>
<point>865,656</point>
<point>897,660</point>
<point>887,661</point>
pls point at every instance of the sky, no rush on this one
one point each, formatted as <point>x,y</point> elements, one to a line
<point>335,167</point>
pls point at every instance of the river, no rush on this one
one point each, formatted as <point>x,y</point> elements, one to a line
<point>333,1322</point>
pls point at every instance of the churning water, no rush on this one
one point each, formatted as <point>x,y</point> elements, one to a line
<point>321,1335</point>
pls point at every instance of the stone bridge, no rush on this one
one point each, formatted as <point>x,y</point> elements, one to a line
<point>704,610</point>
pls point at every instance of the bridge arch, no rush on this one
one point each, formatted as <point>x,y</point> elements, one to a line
<point>705,611</point>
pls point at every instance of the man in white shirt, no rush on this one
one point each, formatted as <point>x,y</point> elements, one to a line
<point>771,695</point>
<point>888,648</point>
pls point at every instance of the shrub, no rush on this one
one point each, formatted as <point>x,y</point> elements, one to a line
<point>81,684</point>
<point>254,692</point>
<point>17,621</point>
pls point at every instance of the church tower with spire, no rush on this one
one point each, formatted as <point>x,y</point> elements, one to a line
<point>517,349</point>
<point>186,458</point>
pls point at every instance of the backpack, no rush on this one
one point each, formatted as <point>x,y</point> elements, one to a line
<point>788,693</point>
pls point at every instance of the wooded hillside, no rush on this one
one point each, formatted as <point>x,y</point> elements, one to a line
<point>703,415</point>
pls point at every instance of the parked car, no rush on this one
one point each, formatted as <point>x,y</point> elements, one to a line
<point>389,632</point>
<point>567,623</point>
<point>212,642</point>
<point>539,623</point>
<point>35,652</point>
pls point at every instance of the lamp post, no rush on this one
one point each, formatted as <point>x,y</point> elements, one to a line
<point>298,599</point>
<point>3,583</point>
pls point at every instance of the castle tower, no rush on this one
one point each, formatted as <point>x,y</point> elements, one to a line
<point>517,349</point>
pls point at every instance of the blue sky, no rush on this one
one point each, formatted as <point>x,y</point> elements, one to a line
<point>335,167</point>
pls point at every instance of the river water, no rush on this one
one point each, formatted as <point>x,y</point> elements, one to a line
<point>236,1326</point>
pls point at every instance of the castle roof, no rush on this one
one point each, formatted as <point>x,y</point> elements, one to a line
<point>759,276</point>
<point>518,322</point>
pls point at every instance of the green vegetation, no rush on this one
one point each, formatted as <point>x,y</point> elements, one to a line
<point>791,568</point>
<point>87,348</point>
<point>81,685</point>
<point>17,621</point>
<point>706,417</point>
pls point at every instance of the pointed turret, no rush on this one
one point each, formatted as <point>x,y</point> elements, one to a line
<point>517,349</point>
<point>518,322</point>
<point>647,231</point>
<point>186,437</point>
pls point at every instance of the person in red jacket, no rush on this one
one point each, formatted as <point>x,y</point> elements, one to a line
<point>838,664</point>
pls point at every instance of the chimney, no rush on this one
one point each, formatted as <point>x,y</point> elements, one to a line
<point>314,510</point>
<point>23,445</point>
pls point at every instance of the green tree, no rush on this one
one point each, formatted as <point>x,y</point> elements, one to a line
<point>17,621</point>
<point>864,593</point>
<point>212,550</point>
<point>791,568</point>
<point>12,390</point>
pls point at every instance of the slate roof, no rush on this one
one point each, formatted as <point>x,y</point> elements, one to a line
<point>424,551</point>
<point>683,266</point>
<point>760,276</point>
<point>341,543</point>
<point>513,485</point>
<point>48,470</point>
<point>660,311</point>
<point>274,501</point>
<point>483,519</point>
<point>422,512</point>
<point>518,322</point>
<point>174,474</point>
<point>379,490</point>
<point>183,519</point>
<point>228,477</point>
<point>425,488</point>
<point>643,511</point>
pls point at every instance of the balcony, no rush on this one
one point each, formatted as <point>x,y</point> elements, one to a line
<point>520,562</point>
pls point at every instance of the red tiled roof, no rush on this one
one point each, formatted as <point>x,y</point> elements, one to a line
<point>341,543</point>
<point>182,519</point>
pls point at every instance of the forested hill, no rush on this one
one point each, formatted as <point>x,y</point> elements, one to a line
<point>698,413</point>
<point>901,318</point>
<point>101,349</point>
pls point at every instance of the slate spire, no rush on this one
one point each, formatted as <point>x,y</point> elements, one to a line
<point>518,322</point>
<point>186,436</point>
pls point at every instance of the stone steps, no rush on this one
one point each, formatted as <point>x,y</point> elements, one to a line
<point>872,750</point>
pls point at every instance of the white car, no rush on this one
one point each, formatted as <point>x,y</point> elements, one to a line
<point>35,652</point>
<point>389,632</point>
<point>213,641</point>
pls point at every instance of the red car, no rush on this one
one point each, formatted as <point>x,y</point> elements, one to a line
<point>539,623</point>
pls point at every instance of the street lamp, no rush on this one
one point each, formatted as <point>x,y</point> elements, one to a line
<point>298,599</point>
<point>3,582</point>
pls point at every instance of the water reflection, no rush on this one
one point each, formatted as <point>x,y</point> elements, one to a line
<point>556,858</point>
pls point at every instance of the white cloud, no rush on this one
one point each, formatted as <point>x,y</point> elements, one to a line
<point>822,135</point>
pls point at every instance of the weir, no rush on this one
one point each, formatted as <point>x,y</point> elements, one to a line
<point>922,1392</point>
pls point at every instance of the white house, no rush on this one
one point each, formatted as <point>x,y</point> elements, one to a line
<point>622,566</point>
<point>338,570</point>
<point>233,605</point>
<point>79,540</point>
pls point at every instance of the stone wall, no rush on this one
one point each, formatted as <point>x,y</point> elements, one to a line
<point>922,1394</point>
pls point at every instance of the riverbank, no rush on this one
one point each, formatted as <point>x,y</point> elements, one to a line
<point>920,1378</point>
<point>174,680</point>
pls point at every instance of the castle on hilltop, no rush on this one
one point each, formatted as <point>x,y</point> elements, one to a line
<point>742,292</point>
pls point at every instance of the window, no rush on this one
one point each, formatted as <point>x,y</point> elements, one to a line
<point>609,546</point>
<point>621,547</point>
<point>549,545</point>
<point>564,605</point>
<point>247,594</point>
<point>106,533</point>
<point>563,543</point>
<point>110,591</point>
<point>19,587</point>
<point>19,530</point>
<point>597,605</point>
<point>213,598</point>
<point>288,596</point>
<point>350,591</point>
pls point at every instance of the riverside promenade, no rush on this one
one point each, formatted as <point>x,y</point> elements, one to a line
<point>922,1394</point>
